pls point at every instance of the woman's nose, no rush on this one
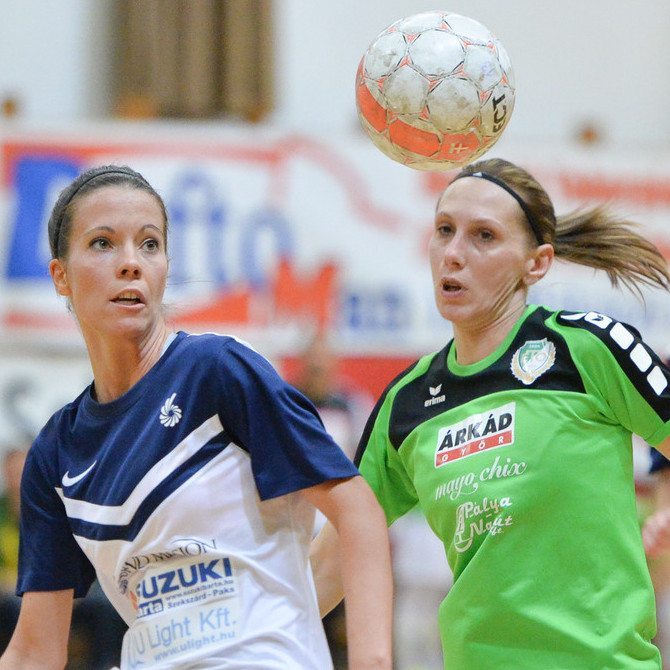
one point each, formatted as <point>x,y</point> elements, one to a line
<point>454,251</point>
<point>129,264</point>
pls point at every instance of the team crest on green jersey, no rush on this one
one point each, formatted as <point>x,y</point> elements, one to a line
<point>533,359</point>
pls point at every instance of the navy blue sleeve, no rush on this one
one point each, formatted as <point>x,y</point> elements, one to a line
<point>49,557</point>
<point>277,425</point>
<point>658,461</point>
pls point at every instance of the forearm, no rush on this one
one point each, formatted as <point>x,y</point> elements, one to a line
<point>368,589</point>
<point>325,559</point>
<point>14,657</point>
<point>40,639</point>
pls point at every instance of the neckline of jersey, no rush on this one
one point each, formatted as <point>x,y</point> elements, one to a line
<point>133,394</point>
<point>473,368</point>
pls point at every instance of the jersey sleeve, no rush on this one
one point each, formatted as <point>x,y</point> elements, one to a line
<point>277,425</point>
<point>380,464</point>
<point>618,367</point>
<point>658,461</point>
<point>49,557</point>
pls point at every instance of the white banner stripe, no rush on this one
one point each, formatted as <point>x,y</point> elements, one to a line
<point>120,515</point>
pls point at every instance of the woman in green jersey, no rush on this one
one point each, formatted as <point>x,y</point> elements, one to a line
<point>515,439</point>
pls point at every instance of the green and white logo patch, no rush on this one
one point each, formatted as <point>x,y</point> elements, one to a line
<point>533,359</point>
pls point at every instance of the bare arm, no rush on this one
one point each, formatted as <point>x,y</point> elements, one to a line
<point>359,524</point>
<point>326,566</point>
<point>40,639</point>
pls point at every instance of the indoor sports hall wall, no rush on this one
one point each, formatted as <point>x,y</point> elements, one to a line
<point>601,62</point>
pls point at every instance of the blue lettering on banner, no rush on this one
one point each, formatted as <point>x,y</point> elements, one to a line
<point>376,311</point>
<point>193,197</point>
<point>264,225</point>
<point>264,236</point>
<point>38,180</point>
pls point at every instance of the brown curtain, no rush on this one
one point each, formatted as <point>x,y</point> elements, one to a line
<point>194,58</point>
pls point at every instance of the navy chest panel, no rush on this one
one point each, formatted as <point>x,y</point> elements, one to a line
<point>439,390</point>
<point>140,471</point>
<point>126,445</point>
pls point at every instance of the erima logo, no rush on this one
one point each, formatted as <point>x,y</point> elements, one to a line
<point>475,434</point>
<point>435,399</point>
<point>69,481</point>
<point>170,412</point>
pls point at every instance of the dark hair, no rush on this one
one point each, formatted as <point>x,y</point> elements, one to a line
<point>93,179</point>
<point>593,237</point>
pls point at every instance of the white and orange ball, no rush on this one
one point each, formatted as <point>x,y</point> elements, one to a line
<point>435,90</point>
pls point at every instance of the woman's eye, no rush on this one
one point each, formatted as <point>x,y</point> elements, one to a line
<point>100,243</point>
<point>152,245</point>
<point>486,235</point>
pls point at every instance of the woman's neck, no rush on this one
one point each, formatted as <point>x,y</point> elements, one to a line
<point>119,363</point>
<point>475,342</point>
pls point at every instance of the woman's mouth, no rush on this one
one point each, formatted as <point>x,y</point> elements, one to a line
<point>451,286</point>
<point>127,298</point>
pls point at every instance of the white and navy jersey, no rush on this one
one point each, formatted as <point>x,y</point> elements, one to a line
<point>181,496</point>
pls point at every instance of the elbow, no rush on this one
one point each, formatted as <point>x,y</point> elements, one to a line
<point>374,661</point>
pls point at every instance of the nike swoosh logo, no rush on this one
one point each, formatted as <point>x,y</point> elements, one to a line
<point>69,481</point>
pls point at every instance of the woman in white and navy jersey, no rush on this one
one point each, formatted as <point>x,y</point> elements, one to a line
<point>514,440</point>
<point>185,477</point>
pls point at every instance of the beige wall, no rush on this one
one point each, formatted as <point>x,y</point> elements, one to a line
<point>601,61</point>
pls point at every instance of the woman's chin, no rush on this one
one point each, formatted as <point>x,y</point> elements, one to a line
<point>452,312</point>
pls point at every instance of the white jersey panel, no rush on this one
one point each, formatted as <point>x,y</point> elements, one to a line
<point>205,580</point>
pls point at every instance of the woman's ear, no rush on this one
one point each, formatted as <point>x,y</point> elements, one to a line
<point>539,263</point>
<point>59,277</point>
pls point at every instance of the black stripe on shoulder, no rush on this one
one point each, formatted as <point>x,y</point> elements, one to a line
<point>642,366</point>
<point>375,412</point>
<point>546,365</point>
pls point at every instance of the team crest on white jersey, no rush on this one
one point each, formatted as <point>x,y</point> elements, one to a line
<point>477,433</point>
<point>170,412</point>
<point>532,359</point>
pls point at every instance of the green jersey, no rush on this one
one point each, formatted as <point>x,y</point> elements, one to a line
<point>522,465</point>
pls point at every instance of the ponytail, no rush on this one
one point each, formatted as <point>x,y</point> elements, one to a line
<point>598,239</point>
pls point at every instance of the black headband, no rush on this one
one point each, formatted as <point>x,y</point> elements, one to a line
<point>496,180</point>
<point>66,204</point>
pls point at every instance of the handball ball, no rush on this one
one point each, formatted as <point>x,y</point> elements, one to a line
<point>435,90</point>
